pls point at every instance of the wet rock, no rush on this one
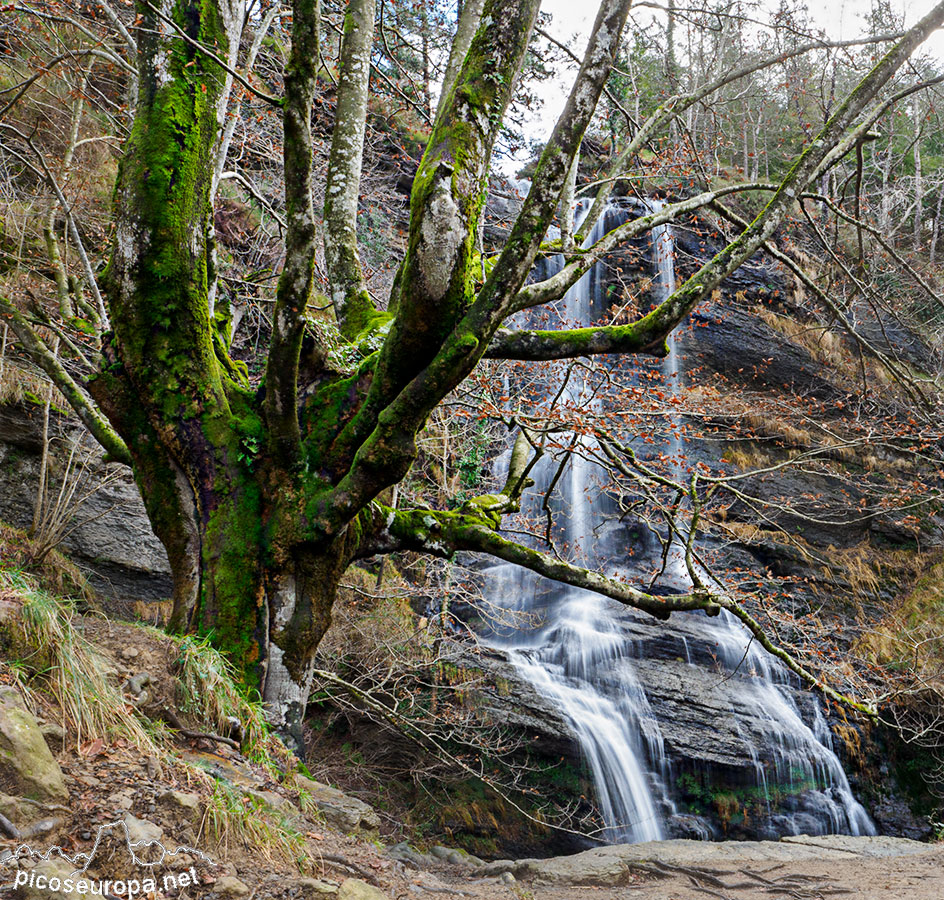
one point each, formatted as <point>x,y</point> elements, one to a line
<point>511,703</point>
<point>344,812</point>
<point>27,767</point>
<point>355,889</point>
<point>892,816</point>
<point>745,349</point>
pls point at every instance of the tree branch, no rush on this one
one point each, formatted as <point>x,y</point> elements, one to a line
<point>352,303</point>
<point>296,283</point>
<point>93,420</point>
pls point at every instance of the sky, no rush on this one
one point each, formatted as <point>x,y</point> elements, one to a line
<point>838,18</point>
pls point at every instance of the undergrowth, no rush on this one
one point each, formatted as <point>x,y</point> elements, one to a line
<point>208,688</point>
<point>232,818</point>
<point>49,652</point>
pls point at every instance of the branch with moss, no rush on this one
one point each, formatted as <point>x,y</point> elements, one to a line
<point>84,408</point>
<point>352,303</point>
<point>646,334</point>
<point>296,283</point>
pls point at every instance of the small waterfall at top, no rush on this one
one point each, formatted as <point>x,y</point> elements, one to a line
<point>586,653</point>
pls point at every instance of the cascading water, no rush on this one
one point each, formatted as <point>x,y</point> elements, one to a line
<point>584,652</point>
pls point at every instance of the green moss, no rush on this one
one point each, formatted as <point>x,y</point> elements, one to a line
<point>231,559</point>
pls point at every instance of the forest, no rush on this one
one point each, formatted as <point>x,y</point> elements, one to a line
<point>490,440</point>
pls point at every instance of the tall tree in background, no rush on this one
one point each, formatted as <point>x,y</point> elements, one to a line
<point>263,498</point>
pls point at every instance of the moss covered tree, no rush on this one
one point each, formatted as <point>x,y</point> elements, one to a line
<point>263,498</point>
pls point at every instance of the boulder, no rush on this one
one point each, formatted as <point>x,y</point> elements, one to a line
<point>340,810</point>
<point>27,767</point>
<point>113,540</point>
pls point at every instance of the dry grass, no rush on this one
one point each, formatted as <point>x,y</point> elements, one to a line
<point>823,344</point>
<point>208,688</point>
<point>911,636</point>
<point>747,458</point>
<point>55,573</point>
<point>56,658</point>
<point>21,384</point>
<point>234,819</point>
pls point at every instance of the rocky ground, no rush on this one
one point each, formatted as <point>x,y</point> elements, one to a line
<point>122,815</point>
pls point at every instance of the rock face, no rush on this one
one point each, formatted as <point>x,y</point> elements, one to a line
<point>27,768</point>
<point>113,540</point>
<point>611,865</point>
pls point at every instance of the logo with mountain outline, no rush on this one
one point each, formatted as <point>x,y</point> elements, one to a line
<point>130,887</point>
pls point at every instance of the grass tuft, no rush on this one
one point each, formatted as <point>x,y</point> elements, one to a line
<point>50,650</point>
<point>232,818</point>
<point>207,687</point>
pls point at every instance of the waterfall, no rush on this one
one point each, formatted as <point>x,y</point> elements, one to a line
<point>585,653</point>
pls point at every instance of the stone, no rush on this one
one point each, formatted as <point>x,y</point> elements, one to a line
<point>54,734</point>
<point>27,766</point>
<point>314,887</point>
<point>182,800</point>
<point>344,812</point>
<point>276,802</point>
<point>231,886</point>
<point>355,889</point>
<point>53,868</point>
<point>507,878</point>
<point>129,653</point>
<point>404,853</point>
<point>18,810</point>
<point>140,830</point>
<point>122,800</point>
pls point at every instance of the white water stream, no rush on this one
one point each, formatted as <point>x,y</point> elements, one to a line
<point>574,647</point>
